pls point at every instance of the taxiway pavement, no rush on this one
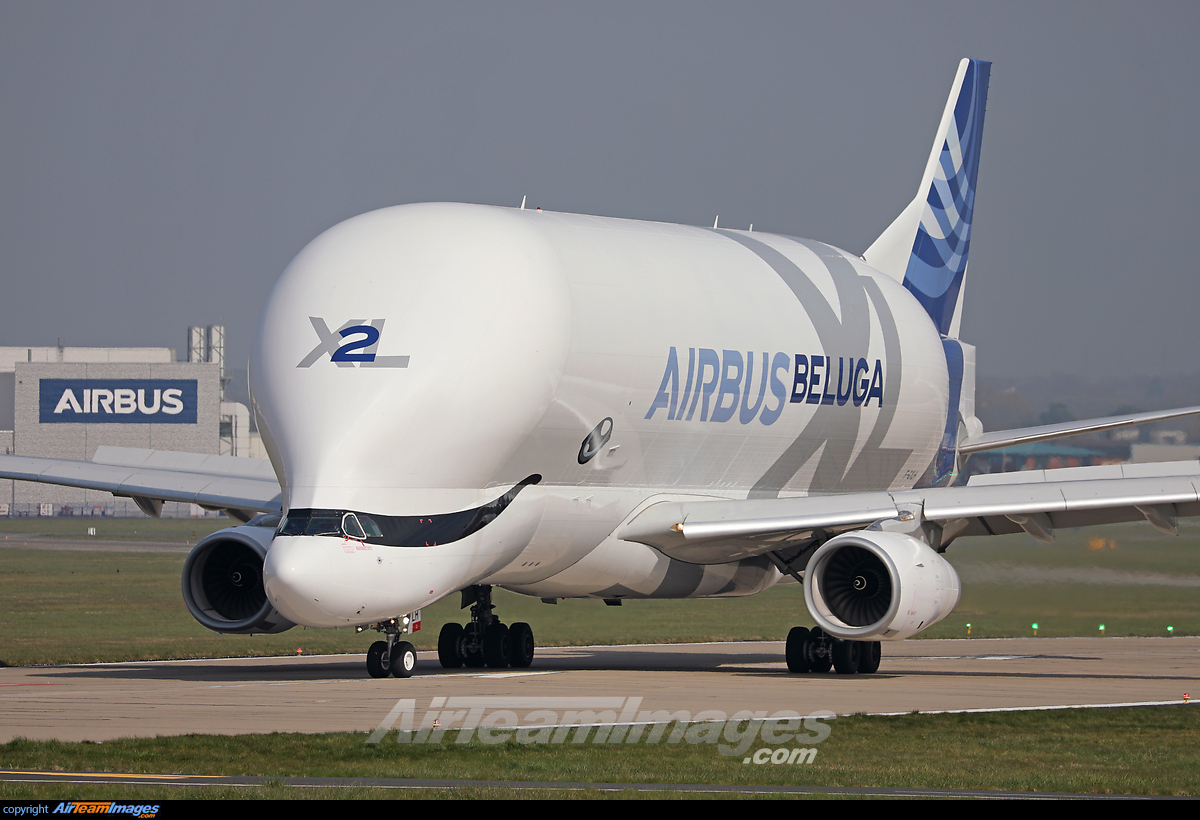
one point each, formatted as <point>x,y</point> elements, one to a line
<point>330,694</point>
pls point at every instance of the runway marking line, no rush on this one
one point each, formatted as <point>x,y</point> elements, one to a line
<point>989,709</point>
<point>32,684</point>
<point>518,674</point>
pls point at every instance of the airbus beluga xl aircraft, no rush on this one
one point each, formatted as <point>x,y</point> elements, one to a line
<point>457,397</point>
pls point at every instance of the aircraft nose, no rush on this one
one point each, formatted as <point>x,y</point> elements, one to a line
<point>296,578</point>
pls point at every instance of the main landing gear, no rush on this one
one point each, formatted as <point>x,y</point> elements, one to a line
<point>484,641</point>
<point>814,651</point>
<point>392,656</point>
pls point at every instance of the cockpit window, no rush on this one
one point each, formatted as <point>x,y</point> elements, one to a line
<point>369,526</point>
<point>265,520</point>
<point>312,522</point>
<point>352,528</point>
<point>399,530</point>
<point>360,527</point>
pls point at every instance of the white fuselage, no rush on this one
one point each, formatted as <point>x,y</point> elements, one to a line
<point>728,365</point>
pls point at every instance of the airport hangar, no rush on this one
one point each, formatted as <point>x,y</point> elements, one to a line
<point>66,402</point>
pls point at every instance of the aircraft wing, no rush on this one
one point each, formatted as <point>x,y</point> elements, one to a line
<point>239,486</point>
<point>1036,501</point>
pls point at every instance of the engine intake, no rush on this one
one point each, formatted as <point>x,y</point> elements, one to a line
<point>223,586</point>
<point>877,585</point>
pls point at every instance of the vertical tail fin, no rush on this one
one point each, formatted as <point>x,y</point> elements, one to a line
<point>926,246</point>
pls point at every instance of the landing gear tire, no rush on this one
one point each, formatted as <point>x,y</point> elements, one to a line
<point>497,646</point>
<point>449,643</point>
<point>523,645</point>
<point>797,661</point>
<point>484,641</point>
<point>403,659</point>
<point>378,664</point>
<point>846,656</point>
<point>872,652</point>
<point>816,651</point>
<point>472,646</point>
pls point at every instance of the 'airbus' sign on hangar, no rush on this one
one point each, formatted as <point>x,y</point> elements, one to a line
<point>121,401</point>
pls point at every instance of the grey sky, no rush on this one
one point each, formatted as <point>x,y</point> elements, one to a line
<point>162,162</point>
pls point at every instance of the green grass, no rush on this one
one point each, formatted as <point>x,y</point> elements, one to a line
<point>180,530</point>
<point>1129,577</point>
<point>72,606</point>
<point>1122,751</point>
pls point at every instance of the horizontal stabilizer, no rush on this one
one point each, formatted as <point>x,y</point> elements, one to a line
<point>1028,435</point>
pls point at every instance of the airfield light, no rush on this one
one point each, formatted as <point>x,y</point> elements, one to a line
<point>1035,630</point>
<point>299,651</point>
<point>1170,629</point>
<point>1101,630</point>
<point>968,629</point>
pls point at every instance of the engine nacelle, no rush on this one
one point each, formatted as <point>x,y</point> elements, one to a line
<point>876,585</point>
<point>223,584</point>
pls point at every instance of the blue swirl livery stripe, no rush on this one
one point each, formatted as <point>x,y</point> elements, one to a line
<point>939,253</point>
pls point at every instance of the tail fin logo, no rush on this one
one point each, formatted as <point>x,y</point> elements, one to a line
<point>939,252</point>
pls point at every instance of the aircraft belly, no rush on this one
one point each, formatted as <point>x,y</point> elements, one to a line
<point>622,569</point>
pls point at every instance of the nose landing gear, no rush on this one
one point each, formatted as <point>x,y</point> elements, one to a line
<point>393,656</point>
<point>485,641</point>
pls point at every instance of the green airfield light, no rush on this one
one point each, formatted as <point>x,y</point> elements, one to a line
<point>968,629</point>
<point>1170,629</point>
<point>1101,630</point>
<point>1035,630</point>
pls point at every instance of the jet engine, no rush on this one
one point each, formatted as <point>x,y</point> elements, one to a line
<point>223,584</point>
<point>878,585</point>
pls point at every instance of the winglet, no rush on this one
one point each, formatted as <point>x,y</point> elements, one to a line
<point>926,246</point>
